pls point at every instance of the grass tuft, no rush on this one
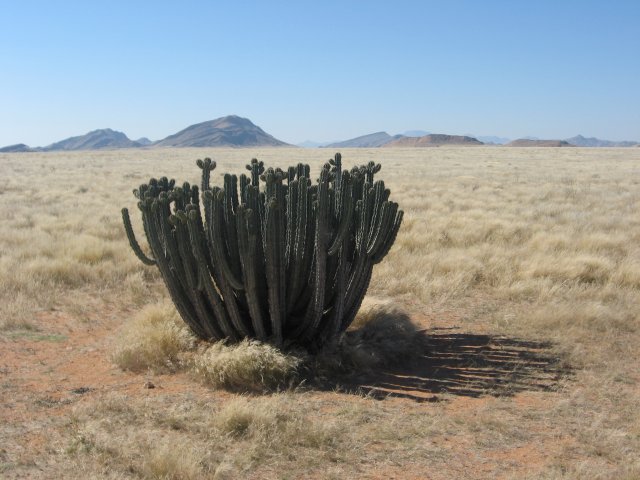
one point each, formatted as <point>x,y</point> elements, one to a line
<point>154,340</point>
<point>172,462</point>
<point>242,417</point>
<point>247,366</point>
<point>273,425</point>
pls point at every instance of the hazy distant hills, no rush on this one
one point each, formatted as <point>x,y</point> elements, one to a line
<point>366,141</point>
<point>577,141</point>
<point>383,139</point>
<point>580,141</point>
<point>18,147</point>
<point>412,138</point>
<point>95,140</point>
<point>235,131</point>
<point>433,140</point>
<point>230,131</point>
<point>526,142</point>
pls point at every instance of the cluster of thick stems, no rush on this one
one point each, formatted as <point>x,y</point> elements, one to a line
<point>270,255</point>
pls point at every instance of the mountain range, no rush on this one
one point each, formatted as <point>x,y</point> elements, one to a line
<point>229,131</point>
<point>383,139</point>
<point>235,131</point>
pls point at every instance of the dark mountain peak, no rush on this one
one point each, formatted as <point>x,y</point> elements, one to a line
<point>229,131</point>
<point>233,120</point>
<point>229,122</point>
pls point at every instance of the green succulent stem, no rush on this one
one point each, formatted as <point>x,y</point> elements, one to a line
<point>268,255</point>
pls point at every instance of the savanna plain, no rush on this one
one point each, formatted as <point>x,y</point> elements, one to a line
<point>512,294</point>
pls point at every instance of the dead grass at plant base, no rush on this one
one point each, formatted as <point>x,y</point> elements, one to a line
<point>154,340</point>
<point>381,336</point>
<point>247,366</point>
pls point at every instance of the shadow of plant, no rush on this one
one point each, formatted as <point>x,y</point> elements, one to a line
<point>389,357</point>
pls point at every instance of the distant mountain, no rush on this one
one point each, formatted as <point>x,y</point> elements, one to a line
<point>229,131</point>
<point>235,131</point>
<point>434,140</point>
<point>525,142</point>
<point>580,141</point>
<point>143,141</point>
<point>95,140</point>
<point>365,141</point>
<point>19,147</point>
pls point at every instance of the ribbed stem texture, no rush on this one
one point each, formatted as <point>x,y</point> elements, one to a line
<point>268,256</point>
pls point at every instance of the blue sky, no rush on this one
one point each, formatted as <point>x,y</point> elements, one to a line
<point>326,70</point>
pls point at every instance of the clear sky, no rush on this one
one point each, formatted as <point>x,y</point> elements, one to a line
<point>323,70</point>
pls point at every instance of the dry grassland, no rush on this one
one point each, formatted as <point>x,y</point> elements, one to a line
<point>521,268</point>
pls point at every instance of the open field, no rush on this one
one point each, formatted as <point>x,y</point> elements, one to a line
<point>522,266</point>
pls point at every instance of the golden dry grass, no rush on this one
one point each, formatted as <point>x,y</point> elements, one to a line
<point>153,340</point>
<point>249,365</point>
<point>534,245</point>
<point>157,341</point>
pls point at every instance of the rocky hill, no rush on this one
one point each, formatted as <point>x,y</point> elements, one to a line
<point>229,131</point>
<point>434,140</point>
<point>525,142</point>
